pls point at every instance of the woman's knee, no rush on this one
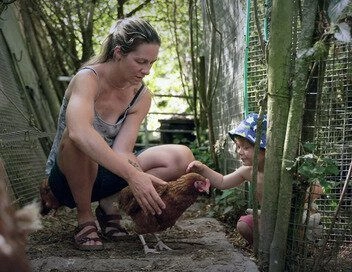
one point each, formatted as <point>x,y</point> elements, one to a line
<point>170,154</point>
<point>68,156</point>
<point>166,161</point>
<point>182,154</point>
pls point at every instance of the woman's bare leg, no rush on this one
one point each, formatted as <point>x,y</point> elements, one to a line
<point>80,172</point>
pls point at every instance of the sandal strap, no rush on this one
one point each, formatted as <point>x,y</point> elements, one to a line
<point>83,237</point>
<point>110,217</point>
<point>86,224</point>
<point>115,228</point>
<point>103,217</point>
<point>106,221</point>
<point>82,240</point>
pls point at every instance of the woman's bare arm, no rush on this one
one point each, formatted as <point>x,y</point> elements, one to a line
<point>79,119</point>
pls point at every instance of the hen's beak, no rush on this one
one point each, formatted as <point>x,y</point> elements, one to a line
<point>207,186</point>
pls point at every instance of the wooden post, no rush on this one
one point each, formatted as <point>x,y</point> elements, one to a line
<point>6,191</point>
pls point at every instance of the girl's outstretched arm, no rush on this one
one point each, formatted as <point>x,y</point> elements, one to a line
<point>218,180</point>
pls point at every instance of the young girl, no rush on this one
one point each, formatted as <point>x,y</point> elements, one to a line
<point>244,136</point>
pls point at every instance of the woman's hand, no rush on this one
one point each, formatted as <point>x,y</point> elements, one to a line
<point>145,193</point>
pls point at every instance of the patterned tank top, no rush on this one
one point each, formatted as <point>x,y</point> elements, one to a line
<point>107,130</point>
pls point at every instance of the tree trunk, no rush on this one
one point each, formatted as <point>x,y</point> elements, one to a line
<point>279,52</point>
<point>293,133</point>
<point>195,67</point>
<point>259,131</point>
<point>52,55</point>
<point>86,27</point>
<point>206,94</point>
<point>39,63</point>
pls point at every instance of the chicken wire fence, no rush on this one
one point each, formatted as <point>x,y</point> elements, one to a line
<point>20,150</point>
<point>24,148</point>
<point>328,123</point>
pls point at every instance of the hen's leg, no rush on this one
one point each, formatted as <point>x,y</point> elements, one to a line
<point>160,244</point>
<point>145,246</point>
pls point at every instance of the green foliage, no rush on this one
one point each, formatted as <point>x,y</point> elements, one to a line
<point>162,104</point>
<point>311,167</point>
<point>228,205</point>
<point>171,73</point>
<point>320,50</point>
<point>202,153</point>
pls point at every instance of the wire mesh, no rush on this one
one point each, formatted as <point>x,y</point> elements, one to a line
<point>20,148</point>
<point>334,133</point>
<point>328,116</point>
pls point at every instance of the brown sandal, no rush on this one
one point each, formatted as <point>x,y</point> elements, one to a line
<point>82,238</point>
<point>116,230</point>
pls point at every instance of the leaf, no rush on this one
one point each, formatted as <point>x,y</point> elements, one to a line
<point>228,209</point>
<point>319,54</point>
<point>305,53</point>
<point>305,170</point>
<point>318,170</point>
<point>344,33</point>
<point>290,165</point>
<point>309,147</point>
<point>336,9</point>
<point>331,170</point>
<point>225,194</point>
<point>162,104</point>
<point>327,184</point>
<point>309,156</point>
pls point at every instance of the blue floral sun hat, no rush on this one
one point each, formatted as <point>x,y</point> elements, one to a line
<point>248,128</point>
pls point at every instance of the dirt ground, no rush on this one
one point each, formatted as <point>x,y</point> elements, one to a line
<point>199,243</point>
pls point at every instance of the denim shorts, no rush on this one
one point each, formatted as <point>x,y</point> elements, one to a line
<point>106,184</point>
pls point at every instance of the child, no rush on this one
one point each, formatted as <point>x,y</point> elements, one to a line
<point>244,136</point>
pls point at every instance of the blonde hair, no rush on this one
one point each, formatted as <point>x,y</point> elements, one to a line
<point>127,34</point>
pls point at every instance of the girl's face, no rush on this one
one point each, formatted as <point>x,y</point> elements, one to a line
<point>137,64</point>
<point>245,151</point>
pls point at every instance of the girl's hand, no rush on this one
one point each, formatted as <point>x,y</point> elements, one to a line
<point>195,166</point>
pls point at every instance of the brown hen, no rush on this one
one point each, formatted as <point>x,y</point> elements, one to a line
<point>177,195</point>
<point>15,225</point>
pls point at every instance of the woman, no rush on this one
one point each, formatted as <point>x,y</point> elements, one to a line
<point>92,156</point>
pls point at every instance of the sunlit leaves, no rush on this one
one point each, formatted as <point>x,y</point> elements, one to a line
<point>337,8</point>
<point>340,13</point>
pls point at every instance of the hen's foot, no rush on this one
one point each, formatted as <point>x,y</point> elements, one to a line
<point>160,244</point>
<point>145,246</point>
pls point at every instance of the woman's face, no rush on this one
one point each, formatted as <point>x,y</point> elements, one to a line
<point>137,64</point>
